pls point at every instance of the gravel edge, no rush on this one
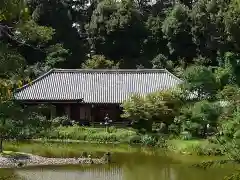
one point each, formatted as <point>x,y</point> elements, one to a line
<point>27,160</point>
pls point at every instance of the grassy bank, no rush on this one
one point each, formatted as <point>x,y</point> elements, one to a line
<point>67,149</point>
<point>200,147</point>
<point>86,134</point>
<point>111,135</point>
<point>64,142</point>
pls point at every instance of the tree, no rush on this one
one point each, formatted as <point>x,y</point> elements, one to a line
<point>200,81</point>
<point>136,110</point>
<point>99,62</point>
<point>117,31</point>
<point>208,27</point>
<point>62,15</point>
<point>197,117</point>
<point>176,29</point>
<point>11,9</point>
<point>229,136</point>
<point>224,76</point>
<point>231,21</point>
<point>164,106</point>
<point>155,107</point>
<point>18,123</point>
<point>155,44</point>
<point>230,93</point>
<point>161,61</point>
<point>231,60</point>
<point>11,62</point>
<point>230,98</point>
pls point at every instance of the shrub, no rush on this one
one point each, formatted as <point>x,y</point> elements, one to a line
<point>148,140</point>
<point>72,132</point>
<point>64,120</point>
<point>102,137</point>
<point>161,107</point>
<point>200,80</point>
<point>229,136</point>
<point>90,134</point>
<point>136,139</point>
<point>174,129</point>
<point>52,134</point>
<point>213,140</point>
<point>112,129</point>
<point>185,135</point>
<point>213,150</point>
<point>207,149</point>
<point>196,118</point>
<point>99,62</point>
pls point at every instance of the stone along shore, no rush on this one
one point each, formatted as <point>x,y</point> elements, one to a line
<point>27,160</point>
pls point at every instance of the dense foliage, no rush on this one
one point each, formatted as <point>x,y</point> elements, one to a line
<point>161,107</point>
<point>64,34</point>
<point>197,41</point>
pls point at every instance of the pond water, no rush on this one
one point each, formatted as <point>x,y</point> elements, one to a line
<point>126,166</point>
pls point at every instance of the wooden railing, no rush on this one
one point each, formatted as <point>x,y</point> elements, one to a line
<point>117,124</point>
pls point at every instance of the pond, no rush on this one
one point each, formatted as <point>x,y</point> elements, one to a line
<point>128,165</point>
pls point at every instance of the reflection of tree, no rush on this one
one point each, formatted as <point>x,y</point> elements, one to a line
<point>9,174</point>
<point>148,167</point>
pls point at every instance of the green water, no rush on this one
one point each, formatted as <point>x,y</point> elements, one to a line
<point>127,165</point>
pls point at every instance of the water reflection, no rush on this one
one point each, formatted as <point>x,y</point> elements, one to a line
<point>128,167</point>
<point>72,174</point>
<point>9,175</point>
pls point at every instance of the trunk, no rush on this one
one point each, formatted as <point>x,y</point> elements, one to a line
<point>2,137</point>
<point>204,134</point>
<point>1,145</point>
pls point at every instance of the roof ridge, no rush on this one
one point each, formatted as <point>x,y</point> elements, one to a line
<point>174,76</point>
<point>109,70</point>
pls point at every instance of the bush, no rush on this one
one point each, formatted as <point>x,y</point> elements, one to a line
<point>159,107</point>
<point>229,136</point>
<point>64,120</point>
<point>207,150</point>
<point>213,140</point>
<point>148,140</point>
<point>102,137</point>
<point>198,147</point>
<point>99,62</point>
<point>136,139</point>
<point>90,134</point>
<point>200,80</point>
<point>112,129</point>
<point>196,118</point>
<point>174,129</point>
<point>185,135</point>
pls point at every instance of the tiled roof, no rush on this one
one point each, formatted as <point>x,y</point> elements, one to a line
<point>96,85</point>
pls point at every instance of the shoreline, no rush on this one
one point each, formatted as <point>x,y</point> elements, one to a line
<point>29,160</point>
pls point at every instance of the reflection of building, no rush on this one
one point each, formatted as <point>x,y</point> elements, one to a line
<point>88,95</point>
<point>168,173</point>
<point>81,174</point>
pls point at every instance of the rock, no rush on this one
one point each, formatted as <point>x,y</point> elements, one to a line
<point>33,160</point>
<point>106,157</point>
<point>84,154</point>
<point>20,164</point>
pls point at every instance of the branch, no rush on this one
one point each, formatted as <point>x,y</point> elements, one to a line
<point>6,31</point>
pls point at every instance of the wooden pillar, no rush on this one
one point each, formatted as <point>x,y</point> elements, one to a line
<point>53,111</point>
<point>92,114</point>
<point>68,110</point>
